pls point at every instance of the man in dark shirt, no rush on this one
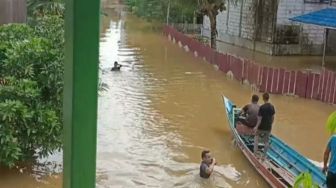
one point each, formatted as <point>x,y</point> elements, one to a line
<point>264,125</point>
<point>207,164</point>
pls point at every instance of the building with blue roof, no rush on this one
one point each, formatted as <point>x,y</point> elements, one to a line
<point>265,26</point>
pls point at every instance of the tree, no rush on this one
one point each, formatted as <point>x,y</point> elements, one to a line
<point>211,9</point>
<point>45,7</point>
<point>181,11</point>
<point>31,69</point>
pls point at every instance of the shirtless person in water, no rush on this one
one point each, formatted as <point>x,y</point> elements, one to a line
<point>207,165</point>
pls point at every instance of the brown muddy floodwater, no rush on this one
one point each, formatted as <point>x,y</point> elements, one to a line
<point>162,109</point>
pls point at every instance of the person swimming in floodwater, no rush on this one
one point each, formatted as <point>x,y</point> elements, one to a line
<point>116,66</point>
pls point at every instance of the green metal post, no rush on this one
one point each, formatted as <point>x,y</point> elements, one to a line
<point>80,93</point>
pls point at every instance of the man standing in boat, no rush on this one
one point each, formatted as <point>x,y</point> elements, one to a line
<point>264,124</point>
<point>248,118</point>
<point>331,169</point>
<point>207,165</point>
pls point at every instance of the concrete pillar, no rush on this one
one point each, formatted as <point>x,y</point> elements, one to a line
<point>13,11</point>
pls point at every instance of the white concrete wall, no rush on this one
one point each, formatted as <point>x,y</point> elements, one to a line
<point>248,20</point>
<point>234,18</point>
<point>236,25</point>
<point>236,21</point>
<point>290,8</point>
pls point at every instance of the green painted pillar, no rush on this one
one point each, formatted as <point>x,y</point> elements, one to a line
<point>80,93</point>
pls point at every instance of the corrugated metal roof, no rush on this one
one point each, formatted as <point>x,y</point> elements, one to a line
<point>325,17</point>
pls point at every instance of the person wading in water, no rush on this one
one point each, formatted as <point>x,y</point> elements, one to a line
<point>207,165</point>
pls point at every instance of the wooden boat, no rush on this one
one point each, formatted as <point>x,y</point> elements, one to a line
<point>282,163</point>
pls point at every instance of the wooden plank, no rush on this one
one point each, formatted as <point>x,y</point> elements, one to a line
<point>13,11</point>
<point>282,172</point>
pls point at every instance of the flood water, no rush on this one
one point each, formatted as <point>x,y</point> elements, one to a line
<point>163,108</point>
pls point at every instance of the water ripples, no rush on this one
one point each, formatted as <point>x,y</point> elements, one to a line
<point>139,146</point>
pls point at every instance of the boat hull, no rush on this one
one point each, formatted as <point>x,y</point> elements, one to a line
<point>282,165</point>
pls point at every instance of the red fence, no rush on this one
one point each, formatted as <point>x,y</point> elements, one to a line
<point>319,86</point>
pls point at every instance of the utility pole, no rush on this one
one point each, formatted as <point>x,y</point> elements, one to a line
<point>168,12</point>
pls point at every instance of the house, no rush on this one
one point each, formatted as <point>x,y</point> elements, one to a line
<point>264,26</point>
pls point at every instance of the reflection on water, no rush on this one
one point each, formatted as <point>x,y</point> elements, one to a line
<point>162,109</point>
<point>139,144</point>
<point>45,172</point>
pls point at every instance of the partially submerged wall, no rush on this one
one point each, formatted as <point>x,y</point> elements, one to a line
<point>320,86</point>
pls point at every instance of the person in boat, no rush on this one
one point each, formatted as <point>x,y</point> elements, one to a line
<point>207,165</point>
<point>330,151</point>
<point>116,66</point>
<point>248,117</point>
<point>264,125</point>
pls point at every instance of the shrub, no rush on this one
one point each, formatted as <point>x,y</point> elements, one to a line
<point>31,65</point>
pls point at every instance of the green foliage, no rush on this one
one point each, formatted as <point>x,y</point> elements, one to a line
<point>149,9</point>
<point>181,11</point>
<point>26,123</point>
<point>40,8</point>
<point>54,34</point>
<point>31,63</point>
<point>10,34</point>
<point>15,32</point>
